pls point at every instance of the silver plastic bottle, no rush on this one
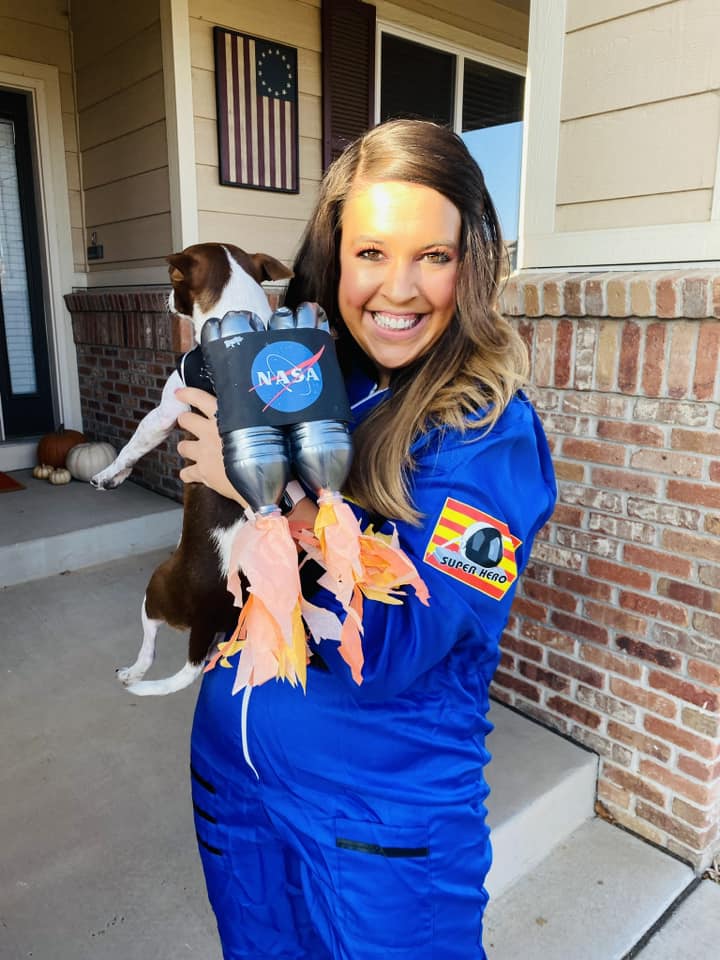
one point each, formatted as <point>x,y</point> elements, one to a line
<point>255,458</point>
<point>320,450</point>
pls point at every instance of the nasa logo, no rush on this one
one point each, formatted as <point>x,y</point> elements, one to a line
<point>286,375</point>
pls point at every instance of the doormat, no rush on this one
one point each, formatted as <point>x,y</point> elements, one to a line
<point>8,483</point>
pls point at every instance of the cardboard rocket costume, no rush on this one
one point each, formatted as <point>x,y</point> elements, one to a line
<point>282,400</point>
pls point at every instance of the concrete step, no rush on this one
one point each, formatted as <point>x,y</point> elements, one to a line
<point>593,898</point>
<point>542,788</point>
<point>45,529</point>
<point>693,930</point>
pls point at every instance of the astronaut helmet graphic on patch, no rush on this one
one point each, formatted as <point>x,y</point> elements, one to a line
<point>482,544</point>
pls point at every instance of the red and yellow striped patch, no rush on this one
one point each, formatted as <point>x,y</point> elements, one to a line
<point>459,543</point>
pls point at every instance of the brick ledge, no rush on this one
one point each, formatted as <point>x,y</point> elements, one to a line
<point>661,294</point>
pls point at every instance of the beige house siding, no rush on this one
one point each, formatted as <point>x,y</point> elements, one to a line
<point>639,86</point>
<point>255,219</point>
<point>38,30</point>
<point>121,122</point>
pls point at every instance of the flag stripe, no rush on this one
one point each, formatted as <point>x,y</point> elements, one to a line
<point>237,113</point>
<point>262,124</point>
<point>220,50</point>
<point>293,147</point>
<point>271,142</point>
<point>285,115</point>
<point>254,175</point>
<point>283,146</point>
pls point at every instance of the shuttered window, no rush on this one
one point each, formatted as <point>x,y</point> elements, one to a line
<point>348,65</point>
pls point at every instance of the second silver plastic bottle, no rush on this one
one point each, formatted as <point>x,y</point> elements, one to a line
<point>320,450</point>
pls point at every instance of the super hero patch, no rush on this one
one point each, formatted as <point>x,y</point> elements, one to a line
<point>473,547</point>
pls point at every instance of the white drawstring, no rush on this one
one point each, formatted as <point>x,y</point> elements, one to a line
<point>243,727</point>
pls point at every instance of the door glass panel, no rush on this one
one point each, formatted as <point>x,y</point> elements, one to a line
<point>493,131</point>
<point>13,272</point>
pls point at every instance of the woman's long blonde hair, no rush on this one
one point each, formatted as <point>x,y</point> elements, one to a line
<point>470,374</point>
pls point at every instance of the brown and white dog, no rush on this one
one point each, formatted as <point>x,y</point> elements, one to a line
<point>188,590</point>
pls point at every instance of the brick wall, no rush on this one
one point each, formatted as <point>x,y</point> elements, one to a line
<point>127,345</point>
<point>614,637</point>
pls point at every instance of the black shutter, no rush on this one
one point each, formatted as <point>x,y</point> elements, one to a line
<point>348,73</point>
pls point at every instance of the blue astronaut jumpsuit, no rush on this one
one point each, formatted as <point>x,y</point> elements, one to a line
<point>349,823</point>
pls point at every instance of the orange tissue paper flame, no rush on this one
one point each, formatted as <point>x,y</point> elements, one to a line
<point>357,565</point>
<point>270,634</point>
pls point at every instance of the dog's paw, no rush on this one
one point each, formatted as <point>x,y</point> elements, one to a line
<point>149,688</point>
<point>128,675</point>
<point>110,477</point>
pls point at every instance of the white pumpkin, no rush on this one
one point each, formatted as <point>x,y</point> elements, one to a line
<point>42,471</point>
<point>86,459</point>
<point>59,476</point>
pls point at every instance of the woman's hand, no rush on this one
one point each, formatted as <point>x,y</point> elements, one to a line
<point>206,449</point>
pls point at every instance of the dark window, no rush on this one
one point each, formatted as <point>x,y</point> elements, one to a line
<point>417,81</point>
<point>490,96</point>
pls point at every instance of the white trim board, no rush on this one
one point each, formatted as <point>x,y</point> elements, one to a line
<point>179,122</point>
<point>42,81</point>
<point>679,243</point>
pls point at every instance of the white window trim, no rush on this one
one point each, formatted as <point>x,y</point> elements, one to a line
<point>540,244</point>
<point>437,43</point>
<point>42,81</point>
<point>179,120</point>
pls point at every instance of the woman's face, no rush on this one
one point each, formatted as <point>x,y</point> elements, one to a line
<point>398,268</point>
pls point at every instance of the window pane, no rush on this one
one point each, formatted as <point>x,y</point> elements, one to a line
<point>416,81</point>
<point>490,96</point>
<point>493,131</point>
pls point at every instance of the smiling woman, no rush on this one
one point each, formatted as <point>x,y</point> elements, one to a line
<point>397,284</point>
<point>351,822</point>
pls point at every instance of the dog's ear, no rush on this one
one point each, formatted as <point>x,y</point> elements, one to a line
<point>269,268</point>
<point>180,265</point>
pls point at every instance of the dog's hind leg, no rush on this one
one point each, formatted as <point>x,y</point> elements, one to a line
<point>199,642</point>
<point>145,657</point>
<point>158,688</point>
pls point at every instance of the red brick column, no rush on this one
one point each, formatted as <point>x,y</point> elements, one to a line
<point>614,637</point>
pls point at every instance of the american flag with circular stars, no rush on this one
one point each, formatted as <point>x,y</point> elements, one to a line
<point>256,84</point>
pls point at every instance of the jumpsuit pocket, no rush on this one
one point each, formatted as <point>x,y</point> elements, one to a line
<point>212,839</point>
<point>384,883</point>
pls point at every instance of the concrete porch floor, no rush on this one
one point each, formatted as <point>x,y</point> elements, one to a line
<point>46,529</point>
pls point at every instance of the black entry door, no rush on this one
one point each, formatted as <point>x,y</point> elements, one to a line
<point>25,392</point>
